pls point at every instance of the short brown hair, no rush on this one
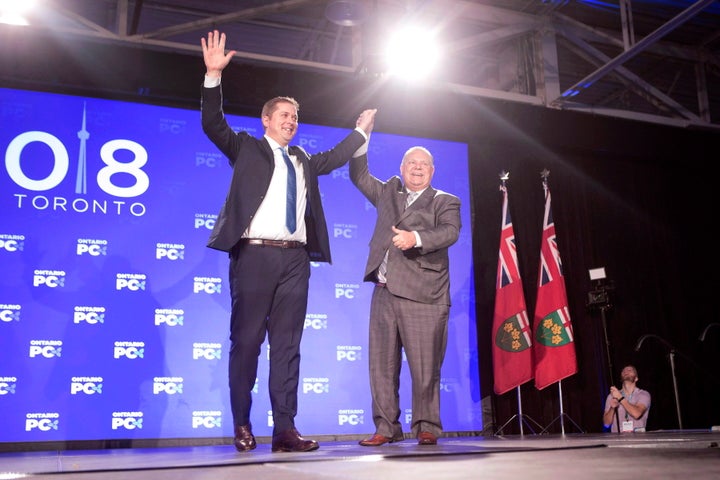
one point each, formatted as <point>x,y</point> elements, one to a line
<point>271,105</point>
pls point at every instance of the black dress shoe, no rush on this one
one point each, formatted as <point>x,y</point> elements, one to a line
<point>291,441</point>
<point>244,438</point>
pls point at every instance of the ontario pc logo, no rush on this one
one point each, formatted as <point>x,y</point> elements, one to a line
<point>130,350</point>
<point>86,385</point>
<point>206,351</point>
<point>44,422</point>
<point>127,420</point>
<point>316,321</point>
<point>91,246</point>
<point>207,419</point>
<point>8,385</point>
<point>314,385</point>
<point>89,315</point>
<point>209,285</point>
<point>12,243</point>
<point>172,317</point>
<point>168,385</point>
<point>45,348</point>
<point>49,278</point>
<point>134,282</point>
<point>169,251</point>
<point>205,220</point>
<point>9,313</point>
<point>351,417</point>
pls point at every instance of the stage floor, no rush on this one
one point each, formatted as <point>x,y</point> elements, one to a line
<point>682,454</point>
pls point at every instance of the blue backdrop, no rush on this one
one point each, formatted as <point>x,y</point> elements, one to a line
<point>114,314</point>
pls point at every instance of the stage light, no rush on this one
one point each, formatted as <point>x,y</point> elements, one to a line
<point>12,12</point>
<point>411,53</point>
<point>597,273</point>
<point>599,296</point>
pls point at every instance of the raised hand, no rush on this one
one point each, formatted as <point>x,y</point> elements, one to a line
<point>214,53</point>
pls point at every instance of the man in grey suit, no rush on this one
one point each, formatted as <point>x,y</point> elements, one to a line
<point>409,265</point>
<point>272,224</point>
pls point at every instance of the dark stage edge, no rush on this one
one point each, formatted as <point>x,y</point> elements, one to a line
<point>661,454</point>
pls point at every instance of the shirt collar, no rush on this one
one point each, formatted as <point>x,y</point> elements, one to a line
<point>417,193</point>
<point>275,145</point>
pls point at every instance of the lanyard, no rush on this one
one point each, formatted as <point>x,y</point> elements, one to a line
<point>629,397</point>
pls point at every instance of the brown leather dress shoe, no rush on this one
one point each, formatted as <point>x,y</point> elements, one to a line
<point>291,441</point>
<point>244,438</point>
<point>376,440</point>
<point>426,438</point>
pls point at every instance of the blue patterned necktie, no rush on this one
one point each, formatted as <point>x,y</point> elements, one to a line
<point>291,200</point>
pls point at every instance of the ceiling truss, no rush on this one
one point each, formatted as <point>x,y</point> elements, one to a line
<point>604,61</point>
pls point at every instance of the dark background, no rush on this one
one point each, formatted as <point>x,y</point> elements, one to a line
<point>635,198</point>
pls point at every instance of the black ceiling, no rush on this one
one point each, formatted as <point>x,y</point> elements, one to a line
<point>663,66</point>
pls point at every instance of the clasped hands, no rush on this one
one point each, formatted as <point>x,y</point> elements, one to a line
<point>366,120</point>
<point>403,239</point>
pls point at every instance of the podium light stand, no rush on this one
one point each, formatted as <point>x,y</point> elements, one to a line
<point>522,418</point>
<point>599,298</point>
<point>671,355</point>
<point>705,331</point>
<point>603,309</point>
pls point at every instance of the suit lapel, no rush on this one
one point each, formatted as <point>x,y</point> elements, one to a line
<point>421,202</point>
<point>270,155</point>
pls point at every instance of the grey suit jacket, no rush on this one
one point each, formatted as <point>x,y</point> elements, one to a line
<point>419,274</point>
<point>253,164</point>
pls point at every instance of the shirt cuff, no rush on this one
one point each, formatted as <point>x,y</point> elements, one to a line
<point>211,82</point>
<point>418,242</point>
<point>364,148</point>
<point>362,132</point>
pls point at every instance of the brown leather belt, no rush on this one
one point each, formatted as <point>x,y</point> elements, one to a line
<point>272,243</point>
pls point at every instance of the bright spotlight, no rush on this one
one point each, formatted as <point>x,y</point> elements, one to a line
<point>411,53</point>
<point>12,12</point>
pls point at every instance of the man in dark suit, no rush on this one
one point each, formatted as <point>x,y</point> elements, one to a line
<point>410,304</point>
<point>272,224</point>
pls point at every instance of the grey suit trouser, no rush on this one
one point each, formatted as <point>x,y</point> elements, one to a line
<point>420,329</point>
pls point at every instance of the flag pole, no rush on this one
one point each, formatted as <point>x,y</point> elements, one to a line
<point>562,410</point>
<point>512,338</point>
<point>555,343</point>
<point>520,414</point>
<point>522,418</point>
<point>562,415</point>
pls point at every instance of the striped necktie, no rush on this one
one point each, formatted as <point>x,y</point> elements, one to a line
<point>382,270</point>
<point>411,198</point>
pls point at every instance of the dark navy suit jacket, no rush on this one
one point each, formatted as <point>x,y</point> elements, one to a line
<point>253,163</point>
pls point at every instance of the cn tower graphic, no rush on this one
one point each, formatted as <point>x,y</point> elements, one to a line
<point>83,135</point>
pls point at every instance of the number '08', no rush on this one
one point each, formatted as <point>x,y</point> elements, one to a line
<point>61,165</point>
